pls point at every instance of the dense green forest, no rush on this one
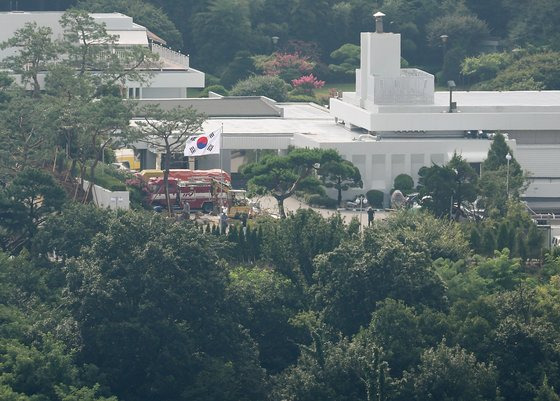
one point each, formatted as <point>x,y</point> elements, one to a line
<point>217,32</point>
<point>102,305</point>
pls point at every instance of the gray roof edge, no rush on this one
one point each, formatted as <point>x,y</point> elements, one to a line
<point>230,106</point>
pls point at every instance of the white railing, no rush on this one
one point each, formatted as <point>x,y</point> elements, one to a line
<point>172,56</point>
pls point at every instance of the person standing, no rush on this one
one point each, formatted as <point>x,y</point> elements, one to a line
<point>244,224</point>
<point>185,213</point>
<point>223,223</point>
<point>370,215</point>
<point>187,210</point>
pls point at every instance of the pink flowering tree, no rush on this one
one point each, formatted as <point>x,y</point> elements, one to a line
<point>306,84</point>
<point>287,66</point>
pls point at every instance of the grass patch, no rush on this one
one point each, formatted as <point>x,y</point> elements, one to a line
<point>341,87</point>
<point>110,178</point>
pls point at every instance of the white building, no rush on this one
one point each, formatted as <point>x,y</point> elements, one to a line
<point>394,123</point>
<point>171,78</point>
<point>252,123</point>
<point>379,159</point>
<point>392,102</point>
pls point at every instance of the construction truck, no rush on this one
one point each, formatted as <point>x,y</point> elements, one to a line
<point>239,205</point>
<point>187,175</point>
<point>127,158</point>
<point>204,190</point>
<point>205,195</point>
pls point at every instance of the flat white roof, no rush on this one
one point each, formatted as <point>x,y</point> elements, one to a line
<point>130,37</point>
<point>298,119</point>
<point>497,98</point>
<point>115,23</point>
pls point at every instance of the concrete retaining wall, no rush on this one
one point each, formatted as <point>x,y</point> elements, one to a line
<point>109,199</point>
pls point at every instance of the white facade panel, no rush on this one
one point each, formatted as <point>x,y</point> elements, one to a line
<point>398,166</point>
<point>256,142</point>
<point>130,38</point>
<point>163,93</point>
<point>444,121</point>
<point>543,188</point>
<point>539,160</point>
<point>175,79</point>
<point>388,158</point>
<point>384,53</point>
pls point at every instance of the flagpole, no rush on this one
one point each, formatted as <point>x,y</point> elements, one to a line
<point>221,171</point>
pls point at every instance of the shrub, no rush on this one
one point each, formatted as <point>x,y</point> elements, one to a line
<point>306,83</point>
<point>239,69</point>
<point>108,177</point>
<point>294,97</point>
<point>211,80</point>
<point>272,87</point>
<point>347,58</point>
<point>321,201</point>
<point>375,198</point>
<point>404,183</point>
<point>288,66</point>
<point>214,88</point>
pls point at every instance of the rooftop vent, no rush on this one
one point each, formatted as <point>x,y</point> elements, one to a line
<point>378,21</point>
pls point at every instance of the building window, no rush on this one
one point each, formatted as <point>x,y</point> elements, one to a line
<point>437,158</point>
<point>397,166</point>
<point>134,93</point>
<point>378,167</point>
<point>416,163</point>
<point>360,162</point>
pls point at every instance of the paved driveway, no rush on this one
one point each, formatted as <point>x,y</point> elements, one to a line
<point>268,204</point>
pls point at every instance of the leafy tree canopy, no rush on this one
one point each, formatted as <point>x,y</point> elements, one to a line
<point>282,176</point>
<point>271,87</point>
<point>341,175</point>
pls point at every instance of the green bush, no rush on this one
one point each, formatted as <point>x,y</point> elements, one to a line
<point>375,198</point>
<point>239,69</point>
<point>404,183</point>
<point>271,87</point>
<point>136,197</point>
<point>214,88</point>
<point>321,201</point>
<point>211,80</point>
<point>110,178</point>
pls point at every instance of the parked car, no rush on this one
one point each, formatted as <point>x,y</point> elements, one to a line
<point>359,202</point>
<point>121,166</point>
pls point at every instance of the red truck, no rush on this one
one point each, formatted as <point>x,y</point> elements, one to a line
<point>202,191</point>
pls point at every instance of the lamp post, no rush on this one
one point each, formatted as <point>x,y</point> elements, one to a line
<point>274,42</point>
<point>361,199</point>
<point>508,158</point>
<point>444,47</point>
<point>451,204</point>
<point>316,167</point>
<point>451,85</point>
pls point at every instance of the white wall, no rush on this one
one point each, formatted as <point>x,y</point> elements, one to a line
<point>440,120</point>
<point>174,79</point>
<point>109,199</point>
<point>381,161</point>
<point>163,93</point>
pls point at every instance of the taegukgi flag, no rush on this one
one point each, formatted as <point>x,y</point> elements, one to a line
<point>204,144</point>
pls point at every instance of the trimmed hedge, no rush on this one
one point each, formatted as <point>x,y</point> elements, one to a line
<point>322,201</point>
<point>375,198</point>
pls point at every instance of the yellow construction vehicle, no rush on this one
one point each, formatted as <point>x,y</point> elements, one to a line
<point>128,158</point>
<point>238,204</point>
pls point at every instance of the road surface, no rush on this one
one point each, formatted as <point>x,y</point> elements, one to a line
<point>269,205</point>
